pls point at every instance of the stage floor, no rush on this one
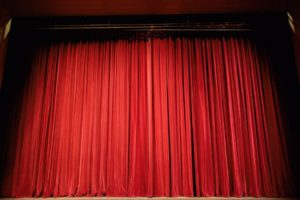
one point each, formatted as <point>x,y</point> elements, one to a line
<point>153,198</point>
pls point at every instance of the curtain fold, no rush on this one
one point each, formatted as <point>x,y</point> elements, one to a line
<point>173,116</point>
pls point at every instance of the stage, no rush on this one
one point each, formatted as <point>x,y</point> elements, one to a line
<point>152,113</point>
<point>153,198</point>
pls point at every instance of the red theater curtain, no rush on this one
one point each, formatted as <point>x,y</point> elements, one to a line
<point>158,117</point>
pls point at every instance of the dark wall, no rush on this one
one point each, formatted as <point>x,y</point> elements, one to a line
<point>4,17</point>
<point>294,10</point>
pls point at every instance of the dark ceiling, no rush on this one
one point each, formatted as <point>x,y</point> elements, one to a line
<point>138,7</point>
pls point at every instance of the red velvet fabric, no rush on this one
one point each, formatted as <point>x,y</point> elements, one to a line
<point>162,117</point>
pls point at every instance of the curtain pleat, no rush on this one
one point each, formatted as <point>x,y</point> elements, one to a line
<point>159,117</point>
